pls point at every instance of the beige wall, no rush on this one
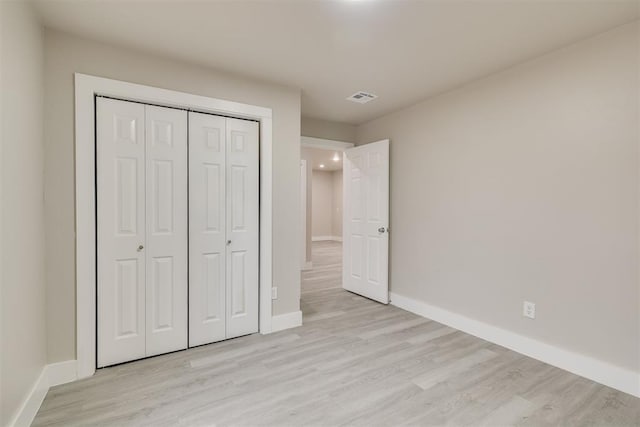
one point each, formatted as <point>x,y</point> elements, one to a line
<point>524,186</point>
<point>65,55</point>
<point>328,130</point>
<point>327,203</point>
<point>23,353</point>
<point>322,203</point>
<point>336,216</point>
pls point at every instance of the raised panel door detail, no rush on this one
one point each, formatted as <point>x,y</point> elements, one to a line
<point>237,142</point>
<point>214,294</point>
<point>356,200</point>
<point>355,167</point>
<point>373,199</point>
<point>125,129</point>
<point>356,260</point>
<point>162,284</point>
<point>214,201</point>
<point>162,194</point>
<point>375,160</point>
<point>162,133</point>
<point>238,283</point>
<point>212,139</point>
<point>373,255</point>
<point>238,192</point>
<point>126,288</point>
<point>126,203</point>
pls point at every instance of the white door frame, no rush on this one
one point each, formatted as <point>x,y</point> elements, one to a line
<point>325,144</point>
<point>304,265</point>
<point>86,87</point>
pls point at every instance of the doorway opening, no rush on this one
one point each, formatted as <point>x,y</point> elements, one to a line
<point>322,214</point>
<point>345,219</point>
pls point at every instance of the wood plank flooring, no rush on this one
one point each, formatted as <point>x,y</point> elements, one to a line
<point>354,362</point>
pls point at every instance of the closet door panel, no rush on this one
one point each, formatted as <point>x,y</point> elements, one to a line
<point>166,226</point>
<point>242,227</point>
<point>207,219</point>
<point>120,180</point>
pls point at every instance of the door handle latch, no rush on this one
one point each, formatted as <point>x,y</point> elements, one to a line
<point>382,229</point>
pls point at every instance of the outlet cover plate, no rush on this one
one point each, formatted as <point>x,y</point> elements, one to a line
<point>529,310</point>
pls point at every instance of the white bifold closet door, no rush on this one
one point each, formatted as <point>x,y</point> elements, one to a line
<point>141,170</point>
<point>223,228</point>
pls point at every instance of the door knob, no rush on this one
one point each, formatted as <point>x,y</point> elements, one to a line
<point>382,229</point>
<point>228,242</point>
<point>140,248</point>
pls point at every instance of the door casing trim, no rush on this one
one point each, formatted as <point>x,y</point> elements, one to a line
<point>86,88</point>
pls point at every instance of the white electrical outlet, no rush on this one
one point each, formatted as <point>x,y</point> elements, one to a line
<point>529,310</point>
<point>274,292</point>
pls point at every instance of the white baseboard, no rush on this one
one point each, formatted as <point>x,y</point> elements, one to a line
<point>51,375</point>
<point>307,266</point>
<point>286,321</point>
<point>597,370</point>
<point>30,405</point>
<point>62,372</point>
<point>326,238</point>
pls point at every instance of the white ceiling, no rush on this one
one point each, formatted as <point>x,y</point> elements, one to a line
<point>318,156</point>
<point>402,50</point>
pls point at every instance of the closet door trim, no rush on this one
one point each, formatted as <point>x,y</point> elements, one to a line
<point>86,89</point>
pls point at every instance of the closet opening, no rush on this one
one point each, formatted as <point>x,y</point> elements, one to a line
<point>177,228</point>
<point>87,87</point>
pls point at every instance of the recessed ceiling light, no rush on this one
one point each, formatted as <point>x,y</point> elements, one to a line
<point>362,97</point>
<point>321,166</point>
<point>336,158</point>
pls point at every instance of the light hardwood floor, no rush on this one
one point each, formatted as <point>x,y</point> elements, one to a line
<point>354,362</point>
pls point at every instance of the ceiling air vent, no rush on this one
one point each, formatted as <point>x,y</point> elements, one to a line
<point>362,97</point>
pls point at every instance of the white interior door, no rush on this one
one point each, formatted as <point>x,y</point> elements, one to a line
<point>166,219</point>
<point>120,165</point>
<point>242,226</point>
<point>223,228</point>
<point>141,161</point>
<point>207,228</point>
<point>151,277</point>
<point>366,220</point>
